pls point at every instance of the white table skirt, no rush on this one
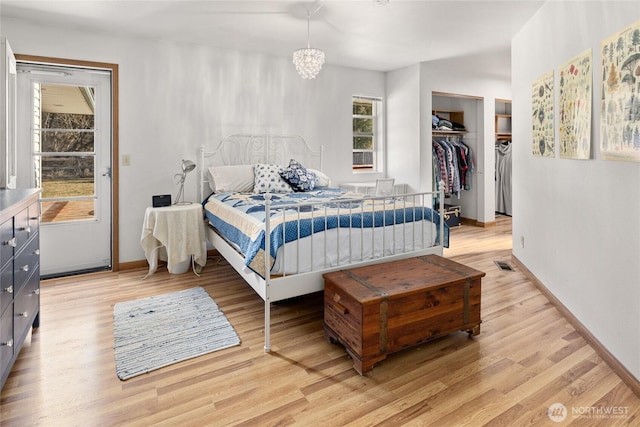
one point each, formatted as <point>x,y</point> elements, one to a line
<point>174,234</point>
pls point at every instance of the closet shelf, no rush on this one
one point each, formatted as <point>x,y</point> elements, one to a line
<point>448,132</point>
<point>503,123</point>
<point>453,116</point>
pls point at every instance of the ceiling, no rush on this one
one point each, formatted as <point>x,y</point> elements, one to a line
<point>353,33</point>
<point>67,99</point>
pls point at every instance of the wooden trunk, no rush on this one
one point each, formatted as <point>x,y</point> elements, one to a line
<point>383,308</point>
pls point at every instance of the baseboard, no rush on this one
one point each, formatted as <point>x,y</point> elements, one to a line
<point>134,265</point>
<point>627,377</point>
<point>487,224</point>
<point>476,223</point>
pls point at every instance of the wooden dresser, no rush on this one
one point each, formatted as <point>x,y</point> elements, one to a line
<point>19,273</point>
<point>383,308</point>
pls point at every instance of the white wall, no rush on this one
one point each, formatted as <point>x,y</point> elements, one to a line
<point>403,126</point>
<point>580,219</point>
<point>175,97</point>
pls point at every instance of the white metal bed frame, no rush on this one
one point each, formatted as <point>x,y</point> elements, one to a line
<point>242,149</point>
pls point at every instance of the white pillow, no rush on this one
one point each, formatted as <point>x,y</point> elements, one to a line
<point>268,179</point>
<point>231,178</point>
<point>322,179</point>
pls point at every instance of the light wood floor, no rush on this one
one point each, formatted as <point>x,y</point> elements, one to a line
<point>526,358</point>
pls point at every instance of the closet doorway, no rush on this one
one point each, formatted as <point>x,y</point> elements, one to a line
<point>65,112</point>
<point>503,157</point>
<point>463,116</point>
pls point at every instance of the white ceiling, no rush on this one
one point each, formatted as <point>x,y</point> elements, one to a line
<point>65,99</point>
<point>355,33</point>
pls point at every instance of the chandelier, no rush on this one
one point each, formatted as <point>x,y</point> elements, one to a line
<point>308,60</point>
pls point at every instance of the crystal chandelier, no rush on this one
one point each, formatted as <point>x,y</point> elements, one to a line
<point>308,60</point>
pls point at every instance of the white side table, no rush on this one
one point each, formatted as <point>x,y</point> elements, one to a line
<point>369,188</point>
<point>174,234</point>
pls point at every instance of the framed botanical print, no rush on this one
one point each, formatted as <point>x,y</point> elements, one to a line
<point>620,103</point>
<point>542,119</point>
<point>575,107</point>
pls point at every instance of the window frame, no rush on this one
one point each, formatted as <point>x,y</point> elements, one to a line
<point>41,154</point>
<point>377,134</point>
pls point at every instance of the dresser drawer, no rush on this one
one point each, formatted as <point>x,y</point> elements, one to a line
<point>6,287</point>
<point>6,241</point>
<point>34,217</point>
<point>26,262</point>
<point>23,229</point>
<point>26,306</point>
<point>6,338</point>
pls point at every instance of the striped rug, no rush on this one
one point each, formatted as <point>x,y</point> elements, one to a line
<point>154,332</point>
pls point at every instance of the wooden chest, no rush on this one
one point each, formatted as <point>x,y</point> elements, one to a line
<point>380,309</point>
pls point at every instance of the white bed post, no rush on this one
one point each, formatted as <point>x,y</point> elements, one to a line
<point>267,273</point>
<point>202,174</point>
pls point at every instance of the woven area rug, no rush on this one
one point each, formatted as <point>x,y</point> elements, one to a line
<point>154,332</point>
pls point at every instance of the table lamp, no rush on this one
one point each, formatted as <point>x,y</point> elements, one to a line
<point>187,166</point>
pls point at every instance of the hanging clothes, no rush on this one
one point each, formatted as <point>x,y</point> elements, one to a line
<point>452,163</point>
<point>503,177</point>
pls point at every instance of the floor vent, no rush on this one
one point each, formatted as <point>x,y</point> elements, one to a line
<point>504,266</point>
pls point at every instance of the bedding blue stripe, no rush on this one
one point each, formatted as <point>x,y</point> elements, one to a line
<point>295,228</point>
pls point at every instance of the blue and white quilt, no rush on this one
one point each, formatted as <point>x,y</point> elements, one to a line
<point>240,218</point>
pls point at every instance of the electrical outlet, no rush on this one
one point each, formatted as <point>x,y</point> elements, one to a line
<point>126,160</point>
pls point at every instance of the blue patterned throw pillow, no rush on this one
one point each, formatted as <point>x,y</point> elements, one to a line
<point>299,177</point>
<point>268,179</point>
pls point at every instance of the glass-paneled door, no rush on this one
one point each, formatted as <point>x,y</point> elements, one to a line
<point>65,114</point>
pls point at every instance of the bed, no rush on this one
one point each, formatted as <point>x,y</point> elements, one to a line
<point>281,232</point>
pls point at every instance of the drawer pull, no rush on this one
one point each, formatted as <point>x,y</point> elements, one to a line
<point>36,252</point>
<point>36,292</point>
<point>25,267</point>
<point>33,218</point>
<point>8,343</point>
<point>12,242</point>
<point>23,314</point>
<point>27,229</point>
<point>8,290</point>
<point>341,308</point>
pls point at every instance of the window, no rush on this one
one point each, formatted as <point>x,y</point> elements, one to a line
<point>367,133</point>
<point>64,151</point>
